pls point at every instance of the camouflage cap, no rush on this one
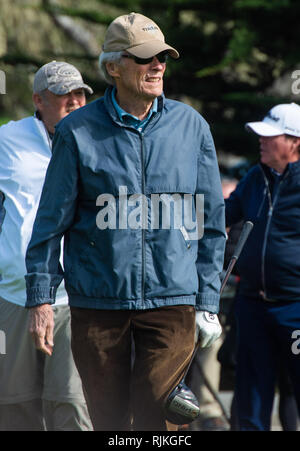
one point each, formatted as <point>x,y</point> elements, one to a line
<point>59,77</point>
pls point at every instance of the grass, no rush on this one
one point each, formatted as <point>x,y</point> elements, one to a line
<point>4,120</point>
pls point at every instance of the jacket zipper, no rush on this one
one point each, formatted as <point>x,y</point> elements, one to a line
<point>270,213</point>
<point>141,133</point>
<point>143,230</point>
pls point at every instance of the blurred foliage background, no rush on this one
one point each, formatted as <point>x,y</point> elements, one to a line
<point>238,57</point>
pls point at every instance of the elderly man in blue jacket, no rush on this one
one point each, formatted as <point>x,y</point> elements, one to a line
<point>134,188</point>
<point>268,302</point>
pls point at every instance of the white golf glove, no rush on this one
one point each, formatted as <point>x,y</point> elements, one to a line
<point>208,328</point>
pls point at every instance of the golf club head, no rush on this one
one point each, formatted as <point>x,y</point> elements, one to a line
<point>182,406</point>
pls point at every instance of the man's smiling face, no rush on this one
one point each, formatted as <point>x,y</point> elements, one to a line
<point>143,81</point>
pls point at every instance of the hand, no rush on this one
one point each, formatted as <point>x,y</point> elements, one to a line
<point>208,328</point>
<point>41,326</point>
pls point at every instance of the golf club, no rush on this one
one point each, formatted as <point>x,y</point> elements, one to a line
<point>182,406</point>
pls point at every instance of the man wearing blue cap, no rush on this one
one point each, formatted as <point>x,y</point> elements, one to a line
<point>268,301</point>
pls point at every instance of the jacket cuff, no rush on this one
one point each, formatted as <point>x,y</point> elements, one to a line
<point>40,295</point>
<point>208,303</point>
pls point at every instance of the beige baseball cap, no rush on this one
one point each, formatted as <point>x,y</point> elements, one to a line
<point>138,35</point>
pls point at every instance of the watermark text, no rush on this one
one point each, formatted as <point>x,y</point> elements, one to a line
<point>296,83</point>
<point>2,82</point>
<point>296,344</point>
<point>2,342</point>
<point>156,211</point>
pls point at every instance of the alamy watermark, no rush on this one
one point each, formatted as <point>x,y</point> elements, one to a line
<point>2,82</point>
<point>296,344</point>
<point>167,211</point>
<point>296,83</point>
<point>2,342</point>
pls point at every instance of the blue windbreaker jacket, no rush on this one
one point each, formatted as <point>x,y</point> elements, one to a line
<point>270,260</point>
<point>99,162</point>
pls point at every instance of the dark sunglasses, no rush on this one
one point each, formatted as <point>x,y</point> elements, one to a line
<point>162,58</point>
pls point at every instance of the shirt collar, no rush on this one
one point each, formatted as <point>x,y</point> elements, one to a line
<point>124,114</point>
<point>274,172</point>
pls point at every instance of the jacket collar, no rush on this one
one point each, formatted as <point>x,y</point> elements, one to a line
<point>112,111</point>
<point>292,168</point>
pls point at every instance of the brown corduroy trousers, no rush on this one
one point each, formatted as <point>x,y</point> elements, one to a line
<point>129,361</point>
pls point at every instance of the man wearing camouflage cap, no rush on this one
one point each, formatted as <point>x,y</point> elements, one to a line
<point>129,281</point>
<point>37,392</point>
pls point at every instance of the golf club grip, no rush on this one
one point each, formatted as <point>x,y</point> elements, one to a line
<point>247,227</point>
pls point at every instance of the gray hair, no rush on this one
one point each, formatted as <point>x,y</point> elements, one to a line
<point>109,57</point>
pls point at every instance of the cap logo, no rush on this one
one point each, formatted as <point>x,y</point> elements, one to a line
<point>68,72</point>
<point>151,28</point>
<point>274,118</point>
